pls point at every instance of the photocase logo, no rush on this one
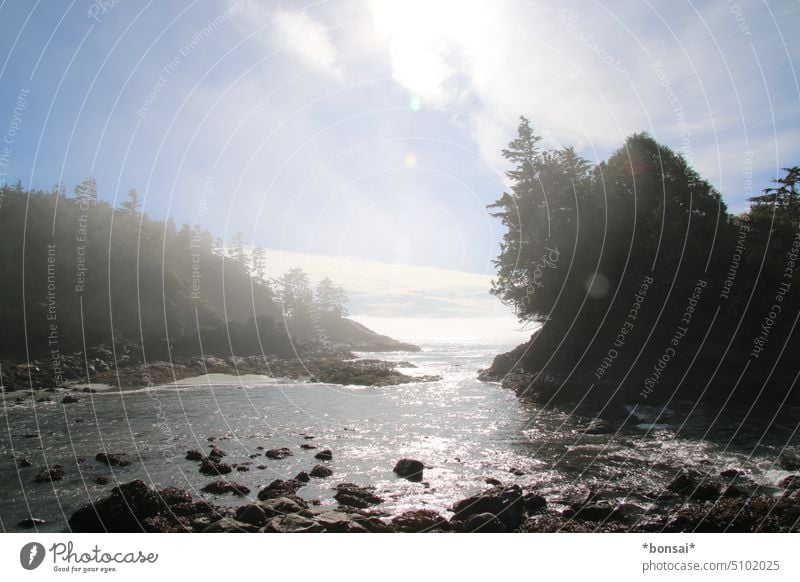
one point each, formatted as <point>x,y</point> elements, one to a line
<point>31,555</point>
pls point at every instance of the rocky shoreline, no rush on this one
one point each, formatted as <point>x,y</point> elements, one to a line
<point>79,374</point>
<point>691,502</point>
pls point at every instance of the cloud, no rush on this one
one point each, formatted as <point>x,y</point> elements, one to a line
<point>308,40</point>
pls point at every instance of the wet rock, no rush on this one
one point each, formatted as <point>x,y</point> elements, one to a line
<point>731,473</point>
<point>517,471</point>
<point>123,511</point>
<point>280,453</point>
<point>112,459</point>
<point>50,473</point>
<point>598,511</point>
<point>691,484</point>
<point>791,483</point>
<point>280,488</point>
<point>484,523</point>
<point>419,520</point>
<point>353,495</point>
<point>410,469</point>
<point>307,446</point>
<point>283,506</point>
<point>223,486</point>
<point>174,496</point>
<point>70,399</point>
<point>325,455</point>
<point>598,427</point>
<point>492,481</point>
<point>217,454</point>
<point>321,472</point>
<point>506,503</point>
<point>254,455</point>
<point>194,455</point>
<point>23,463</point>
<point>292,524</point>
<point>229,525</point>
<point>789,461</point>
<point>303,477</point>
<point>252,514</point>
<point>31,522</point>
<point>209,467</point>
<point>339,522</point>
<point>102,480</point>
<point>534,503</point>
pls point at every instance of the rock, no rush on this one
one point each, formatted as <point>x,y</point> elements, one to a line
<point>303,477</point>
<point>123,511</point>
<point>534,503</point>
<point>731,473</point>
<point>50,473</point>
<point>282,506</point>
<point>173,496</point>
<point>419,520</point>
<point>356,496</point>
<point>228,525</point>
<point>410,469</point>
<point>223,486</point>
<point>23,463</point>
<point>504,502</point>
<point>325,455</point>
<point>791,482</point>
<point>217,454</point>
<point>692,485</point>
<point>292,524</point>
<point>598,511</point>
<point>112,460</point>
<point>281,453</point>
<point>31,522</point>
<point>598,427</point>
<point>307,446</point>
<point>484,523</point>
<point>209,467</point>
<point>280,488</point>
<point>69,399</point>
<point>194,455</point>
<point>321,471</point>
<point>517,471</point>
<point>102,480</point>
<point>339,522</point>
<point>789,461</point>
<point>252,514</point>
<point>492,481</point>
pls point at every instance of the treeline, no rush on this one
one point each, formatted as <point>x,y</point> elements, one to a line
<point>648,289</point>
<point>77,273</point>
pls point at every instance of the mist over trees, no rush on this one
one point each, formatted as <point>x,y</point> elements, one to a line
<point>78,273</point>
<point>648,289</point>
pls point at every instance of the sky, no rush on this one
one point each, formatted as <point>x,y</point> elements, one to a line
<point>364,136</point>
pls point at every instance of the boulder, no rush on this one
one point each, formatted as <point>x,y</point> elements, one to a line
<point>484,523</point>
<point>353,495</point>
<point>50,473</point>
<point>281,453</point>
<point>325,455</point>
<point>209,467</point>
<point>223,486</point>
<point>112,459</point>
<point>692,485</point>
<point>534,503</point>
<point>194,455</point>
<point>102,480</point>
<point>280,488</point>
<point>339,522</point>
<point>789,461</point>
<point>217,454</point>
<point>303,477</point>
<point>791,483</point>
<point>320,472</point>
<point>410,469</point>
<point>418,520</point>
<point>282,506</point>
<point>731,473</point>
<point>229,525</point>
<point>23,463</point>
<point>307,446</point>
<point>598,511</point>
<point>252,514</point>
<point>123,511</point>
<point>70,399</point>
<point>507,503</point>
<point>292,524</point>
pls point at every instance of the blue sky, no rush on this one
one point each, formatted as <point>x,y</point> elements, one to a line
<point>372,129</point>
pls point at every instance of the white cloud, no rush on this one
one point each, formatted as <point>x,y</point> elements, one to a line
<point>308,39</point>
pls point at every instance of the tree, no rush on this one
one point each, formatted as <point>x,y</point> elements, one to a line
<point>131,203</point>
<point>329,299</point>
<point>259,264</point>
<point>86,191</point>
<point>294,294</point>
<point>784,197</point>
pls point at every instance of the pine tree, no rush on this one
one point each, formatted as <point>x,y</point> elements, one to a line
<point>132,202</point>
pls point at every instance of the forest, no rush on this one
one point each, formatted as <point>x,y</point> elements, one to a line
<point>647,288</point>
<point>78,273</point>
